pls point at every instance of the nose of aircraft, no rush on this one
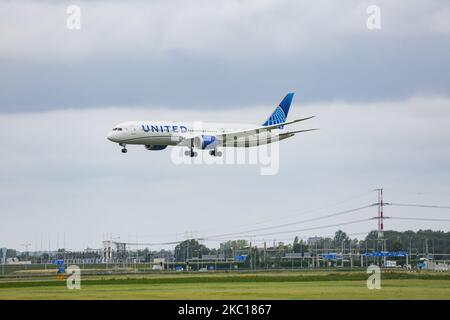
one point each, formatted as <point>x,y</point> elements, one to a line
<point>110,136</point>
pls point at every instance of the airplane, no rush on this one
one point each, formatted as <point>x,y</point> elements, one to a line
<point>158,135</point>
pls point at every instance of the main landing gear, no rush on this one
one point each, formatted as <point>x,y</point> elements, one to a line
<point>191,153</point>
<point>215,153</point>
<point>124,148</point>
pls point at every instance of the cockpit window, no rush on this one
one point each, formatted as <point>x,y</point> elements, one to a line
<point>117,129</point>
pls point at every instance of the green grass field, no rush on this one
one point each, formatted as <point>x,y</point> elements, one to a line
<point>283,285</point>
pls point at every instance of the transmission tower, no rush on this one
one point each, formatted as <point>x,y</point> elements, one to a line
<point>380,213</point>
<point>381,221</point>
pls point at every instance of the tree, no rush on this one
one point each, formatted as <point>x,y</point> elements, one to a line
<point>230,247</point>
<point>299,246</point>
<point>188,249</point>
<point>341,238</point>
<point>395,245</point>
<point>295,244</point>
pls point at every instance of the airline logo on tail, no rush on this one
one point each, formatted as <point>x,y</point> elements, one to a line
<point>281,112</point>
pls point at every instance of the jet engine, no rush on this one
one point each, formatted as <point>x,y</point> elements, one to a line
<point>205,142</point>
<point>155,147</point>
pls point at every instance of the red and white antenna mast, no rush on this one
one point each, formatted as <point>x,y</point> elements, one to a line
<point>380,213</point>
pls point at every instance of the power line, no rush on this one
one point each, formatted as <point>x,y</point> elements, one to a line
<point>295,222</point>
<point>417,205</point>
<point>417,193</point>
<point>287,239</point>
<point>306,229</point>
<point>295,213</point>
<point>151,244</point>
<point>418,219</point>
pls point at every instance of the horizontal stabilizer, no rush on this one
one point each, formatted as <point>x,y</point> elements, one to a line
<point>299,131</point>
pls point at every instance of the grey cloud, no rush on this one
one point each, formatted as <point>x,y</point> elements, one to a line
<point>367,71</point>
<point>219,54</point>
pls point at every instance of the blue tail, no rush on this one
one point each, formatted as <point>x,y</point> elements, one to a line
<point>281,112</point>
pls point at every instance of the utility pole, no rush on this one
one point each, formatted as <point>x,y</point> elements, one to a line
<point>381,221</point>
<point>367,250</point>
<point>3,257</point>
<point>137,253</point>
<point>187,256</point>
<point>316,257</point>
<point>26,245</point>
<point>351,257</point>
<point>265,253</point>
<point>251,267</point>
<point>362,259</point>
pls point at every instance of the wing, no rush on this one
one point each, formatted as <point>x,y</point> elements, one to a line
<point>252,131</point>
<point>188,140</point>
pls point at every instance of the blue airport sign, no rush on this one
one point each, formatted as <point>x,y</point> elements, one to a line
<point>386,254</point>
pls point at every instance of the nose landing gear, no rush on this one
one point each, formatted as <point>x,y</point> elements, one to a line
<point>124,148</point>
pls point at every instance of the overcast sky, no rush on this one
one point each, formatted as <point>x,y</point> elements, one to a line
<point>381,99</point>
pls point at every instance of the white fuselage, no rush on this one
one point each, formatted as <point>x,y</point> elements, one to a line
<point>177,133</point>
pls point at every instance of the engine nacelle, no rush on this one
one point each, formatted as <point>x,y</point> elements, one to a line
<point>205,142</point>
<point>155,147</point>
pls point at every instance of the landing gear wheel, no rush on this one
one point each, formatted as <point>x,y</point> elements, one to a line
<point>124,150</point>
<point>191,153</point>
<point>215,153</point>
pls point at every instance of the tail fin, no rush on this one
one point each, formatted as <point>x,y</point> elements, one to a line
<point>281,112</point>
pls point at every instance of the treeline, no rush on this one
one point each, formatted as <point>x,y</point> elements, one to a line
<point>422,241</point>
<point>419,242</point>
